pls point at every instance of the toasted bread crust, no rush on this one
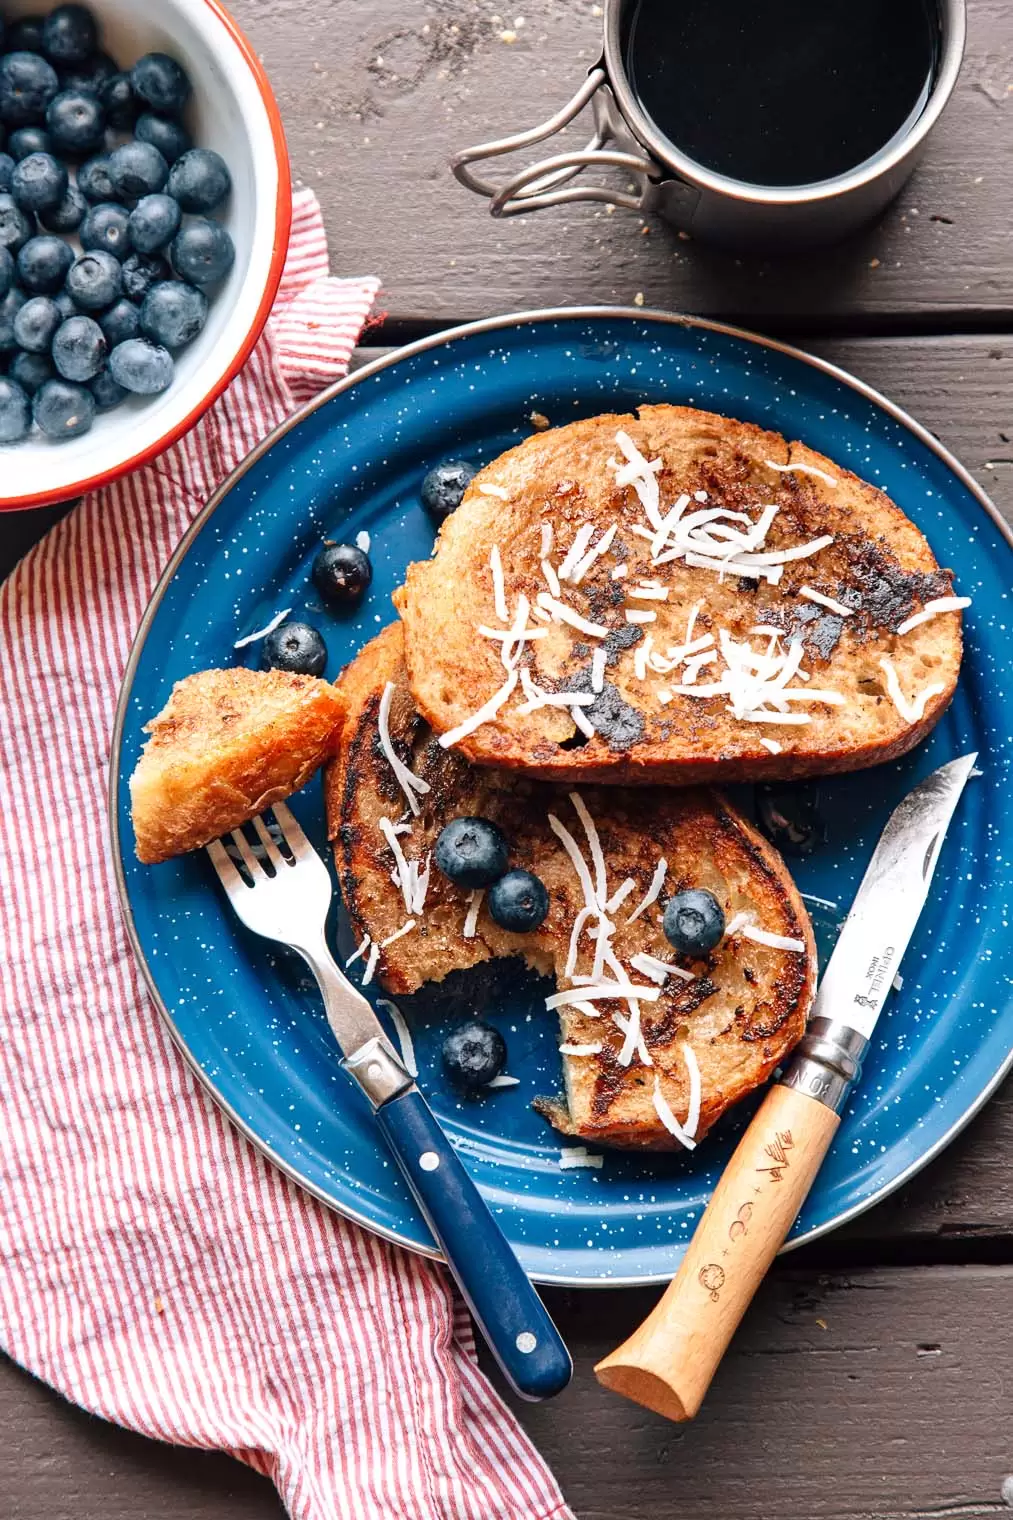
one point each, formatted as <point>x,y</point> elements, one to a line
<point>226,745</point>
<point>878,561</point>
<point>743,1011</point>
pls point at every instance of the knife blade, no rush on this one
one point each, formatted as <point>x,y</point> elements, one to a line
<point>668,1363</point>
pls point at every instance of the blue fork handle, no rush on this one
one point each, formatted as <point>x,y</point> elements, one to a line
<point>509,1312</point>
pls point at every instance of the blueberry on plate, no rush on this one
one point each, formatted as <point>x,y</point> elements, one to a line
<point>173,313</point>
<point>141,367</point>
<point>790,816</point>
<point>473,1054</point>
<point>8,270</point>
<point>15,411</point>
<point>91,75</point>
<point>69,34</point>
<point>200,180</point>
<point>25,34</point>
<point>6,171</point>
<point>120,322</point>
<point>79,349</point>
<point>160,82</point>
<point>471,852</point>
<point>295,647</point>
<point>107,391</point>
<point>35,325</point>
<point>31,370</point>
<point>518,902</point>
<point>62,409</point>
<point>341,573</point>
<point>27,85</point>
<point>28,140</point>
<point>202,252</point>
<point>15,227</point>
<point>95,280</point>
<point>95,181</point>
<point>107,226</point>
<point>68,215</point>
<point>119,102</point>
<point>445,485</point>
<point>76,122</point>
<point>141,271</point>
<point>170,137</point>
<point>39,182</point>
<point>43,264</point>
<point>694,922</point>
<point>154,223</point>
<point>10,305</point>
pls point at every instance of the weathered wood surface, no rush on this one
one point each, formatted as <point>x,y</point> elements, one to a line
<point>877,1395</point>
<point>377,94</point>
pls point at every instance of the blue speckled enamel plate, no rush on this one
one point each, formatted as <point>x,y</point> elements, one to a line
<point>250,1022</point>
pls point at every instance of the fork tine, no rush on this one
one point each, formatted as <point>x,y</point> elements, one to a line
<point>291,832</point>
<point>229,877</point>
<point>250,860</point>
<point>272,851</point>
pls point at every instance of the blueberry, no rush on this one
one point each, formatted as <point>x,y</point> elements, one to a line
<point>107,391</point>
<point>141,367</point>
<point>137,169</point>
<point>79,349</point>
<point>202,252</point>
<point>518,902</point>
<point>31,370</point>
<point>15,411</point>
<point>95,280</point>
<point>445,485</point>
<point>15,227</point>
<point>473,1054</point>
<point>295,647</point>
<point>43,264</point>
<point>119,102</point>
<point>9,308</point>
<point>471,852</point>
<point>69,34</point>
<point>27,85</point>
<point>36,324</point>
<point>341,573</point>
<point>791,818</point>
<point>107,226</point>
<point>173,313</point>
<point>120,322</point>
<point>68,215</point>
<point>154,222</point>
<point>67,305</point>
<point>6,171</point>
<point>39,183</point>
<point>77,122</point>
<point>8,270</point>
<point>28,140</point>
<point>91,75</point>
<point>25,34</point>
<point>95,181</point>
<point>62,409</point>
<point>693,922</point>
<point>161,83</point>
<point>168,136</point>
<point>141,271</point>
<point>200,180</point>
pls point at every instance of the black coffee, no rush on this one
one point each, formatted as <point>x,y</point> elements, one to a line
<point>782,92</point>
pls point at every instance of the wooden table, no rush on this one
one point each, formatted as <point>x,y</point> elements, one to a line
<point>872,1377</point>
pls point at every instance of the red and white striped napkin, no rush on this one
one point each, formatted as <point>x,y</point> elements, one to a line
<point>153,1267</point>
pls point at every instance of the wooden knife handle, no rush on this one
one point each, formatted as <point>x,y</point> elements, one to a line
<point>668,1363</point>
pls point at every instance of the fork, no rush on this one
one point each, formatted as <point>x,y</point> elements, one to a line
<point>287,897</point>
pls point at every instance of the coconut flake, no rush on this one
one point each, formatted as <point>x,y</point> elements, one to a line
<point>498,587</point>
<point>825,601</point>
<point>576,550</point>
<point>471,917</point>
<point>653,891</point>
<point>648,593</point>
<point>564,614</point>
<point>640,617</point>
<point>695,1089</point>
<point>930,610</point>
<point>485,713</point>
<point>405,928</point>
<point>658,971</point>
<point>402,875</point>
<point>403,1033</point>
<point>406,778</point>
<point>503,1081</point>
<point>772,745</point>
<point>599,664</point>
<point>610,991</point>
<point>594,845</point>
<point>581,1050</point>
<point>577,1156</point>
<point>603,545</point>
<point>262,633</point>
<point>620,895</point>
<point>374,956</point>
<point>633,1044</point>
<point>620,571</point>
<point>362,540</point>
<point>551,579</point>
<point>914,710</point>
<point>577,860</point>
<point>583,723</point>
<point>488,489</point>
<point>363,947</point>
<point>668,1119</point>
<point>546,543</point>
<point>802,469</point>
<point>742,923</point>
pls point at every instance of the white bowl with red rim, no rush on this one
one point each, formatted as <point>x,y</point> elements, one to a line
<point>233,111</point>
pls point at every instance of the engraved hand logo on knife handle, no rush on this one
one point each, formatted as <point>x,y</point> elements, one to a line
<point>668,1363</point>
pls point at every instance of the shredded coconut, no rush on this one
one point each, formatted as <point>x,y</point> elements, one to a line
<point>363,947</point>
<point>551,579</point>
<point>582,722</point>
<point>825,601</point>
<point>914,710</point>
<point>581,1050</point>
<point>262,633</point>
<point>488,489</point>
<point>772,745</point>
<point>611,991</point>
<point>653,891</point>
<point>498,588</point>
<point>603,545</point>
<point>599,664</point>
<point>930,610</point>
<point>576,550</point>
<point>620,571</point>
<point>577,1156</point>
<point>620,895</point>
<point>640,617</point>
<point>546,545</point>
<point>374,956</point>
<point>406,778</point>
<point>403,1033</point>
<point>485,713</point>
<point>803,469</point>
<point>633,1044</point>
<point>362,541</point>
<point>405,928</point>
<point>668,1119</point>
<point>658,971</point>
<point>742,923</point>
<point>471,917</point>
<point>564,614</point>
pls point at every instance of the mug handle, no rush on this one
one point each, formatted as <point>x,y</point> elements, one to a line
<point>538,185</point>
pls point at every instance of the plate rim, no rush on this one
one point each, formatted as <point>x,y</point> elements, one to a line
<point>440,339</point>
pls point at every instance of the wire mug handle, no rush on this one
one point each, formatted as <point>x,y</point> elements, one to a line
<point>538,186</point>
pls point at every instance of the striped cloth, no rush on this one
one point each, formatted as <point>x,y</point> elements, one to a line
<point>153,1267</point>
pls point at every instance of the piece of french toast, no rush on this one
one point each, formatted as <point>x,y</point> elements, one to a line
<point>225,746</point>
<point>720,604</point>
<point>733,1016</point>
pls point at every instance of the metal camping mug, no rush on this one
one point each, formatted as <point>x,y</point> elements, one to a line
<point>667,183</point>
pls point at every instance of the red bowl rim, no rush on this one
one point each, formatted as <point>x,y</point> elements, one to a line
<point>282,232</point>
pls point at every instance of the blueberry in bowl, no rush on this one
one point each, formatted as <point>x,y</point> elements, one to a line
<point>173,313</point>
<point>694,922</point>
<point>94,281</point>
<point>202,252</point>
<point>76,122</point>
<point>106,226</point>
<point>44,263</point>
<point>200,180</point>
<point>62,409</point>
<point>297,648</point>
<point>36,324</point>
<point>143,368</point>
<point>342,573</point>
<point>68,214</point>
<point>141,271</point>
<point>154,223</point>
<point>15,411</point>
<point>161,83</point>
<point>170,137</point>
<point>80,348</point>
<point>69,34</point>
<point>473,1055</point>
<point>26,140</point>
<point>471,852</point>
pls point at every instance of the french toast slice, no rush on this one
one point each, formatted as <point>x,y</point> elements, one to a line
<point>734,1015</point>
<point>648,550</point>
<point>225,746</point>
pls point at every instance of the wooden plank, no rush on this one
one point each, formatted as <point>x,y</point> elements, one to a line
<point>377,94</point>
<point>877,1395</point>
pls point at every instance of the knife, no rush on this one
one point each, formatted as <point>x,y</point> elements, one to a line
<point>668,1363</point>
